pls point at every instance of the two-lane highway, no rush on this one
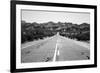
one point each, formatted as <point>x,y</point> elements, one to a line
<point>56,48</point>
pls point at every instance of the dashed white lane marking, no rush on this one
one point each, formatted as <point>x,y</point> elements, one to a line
<point>58,53</point>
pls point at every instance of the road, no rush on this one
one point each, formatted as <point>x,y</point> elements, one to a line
<point>56,48</point>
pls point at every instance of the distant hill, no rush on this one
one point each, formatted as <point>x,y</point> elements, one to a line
<point>33,31</point>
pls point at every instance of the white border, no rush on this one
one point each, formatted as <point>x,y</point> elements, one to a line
<point>20,65</point>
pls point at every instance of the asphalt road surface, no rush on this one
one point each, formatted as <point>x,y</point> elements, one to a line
<point>56,48</point>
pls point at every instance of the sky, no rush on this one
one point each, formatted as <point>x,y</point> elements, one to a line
<point>54,16</point>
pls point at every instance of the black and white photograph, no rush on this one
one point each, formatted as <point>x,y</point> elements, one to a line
<point>50,36</point>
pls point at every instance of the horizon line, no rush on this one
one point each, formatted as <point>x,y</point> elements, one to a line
<point>53,22</point>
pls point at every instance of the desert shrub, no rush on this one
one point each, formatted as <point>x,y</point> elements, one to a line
<point>29,33</point>
<point>83,36</point>
<point>35,31</point>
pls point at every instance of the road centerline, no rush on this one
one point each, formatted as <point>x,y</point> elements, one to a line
<point>54,57</point>
<point>56,53</point>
